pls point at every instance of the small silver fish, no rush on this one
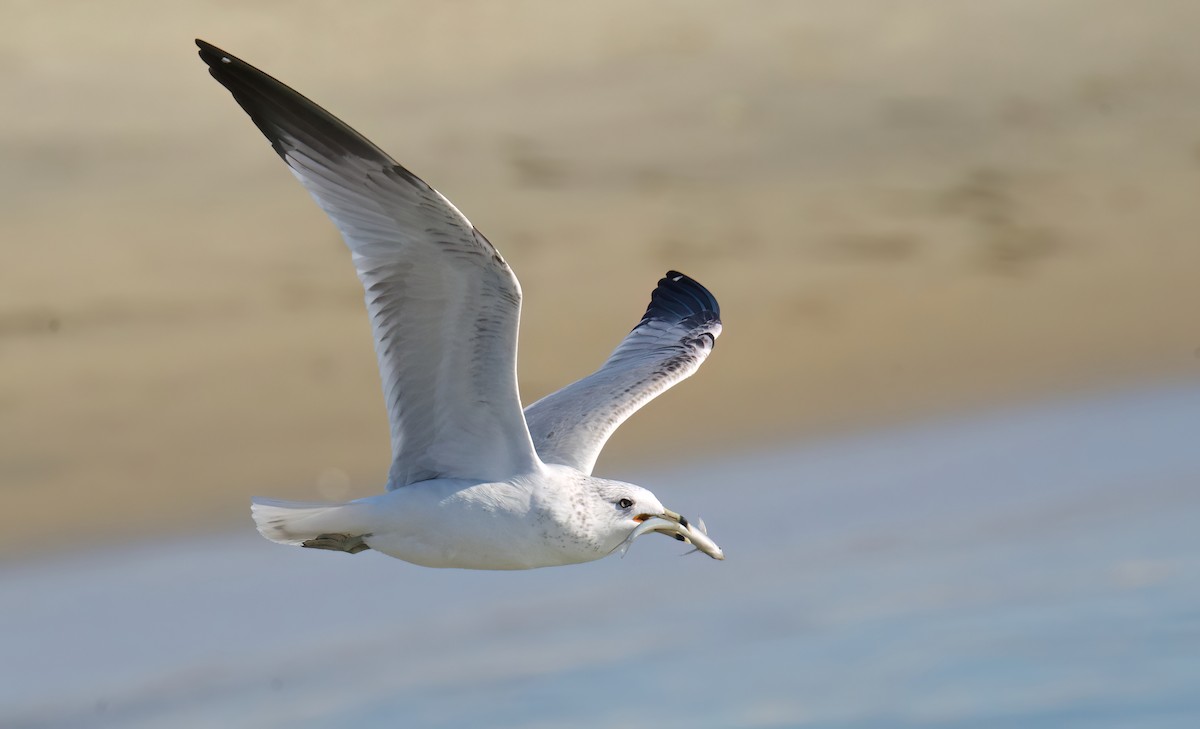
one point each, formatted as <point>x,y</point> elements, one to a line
<point>698,536</point>
<point>682,530</point>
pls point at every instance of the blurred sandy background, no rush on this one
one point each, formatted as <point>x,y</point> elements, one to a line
<point>905,209</point>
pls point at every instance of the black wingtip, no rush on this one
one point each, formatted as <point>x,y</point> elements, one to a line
<point>282,113</point>
<point>214,56</point>
<point>680,297</point>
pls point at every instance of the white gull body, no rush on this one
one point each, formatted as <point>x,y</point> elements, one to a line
<point>475,481</point>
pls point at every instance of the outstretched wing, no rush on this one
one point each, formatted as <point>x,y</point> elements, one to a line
<point>674,337</point>
<point>443,303</point>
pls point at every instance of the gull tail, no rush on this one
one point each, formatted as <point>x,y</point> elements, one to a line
<point>336,526</point>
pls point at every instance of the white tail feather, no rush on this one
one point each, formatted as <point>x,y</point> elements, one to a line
<point>295,522</point>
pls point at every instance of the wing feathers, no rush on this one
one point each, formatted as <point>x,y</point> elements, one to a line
<point>443,304</point>
<point>673,338</point>
<point>444,307</point>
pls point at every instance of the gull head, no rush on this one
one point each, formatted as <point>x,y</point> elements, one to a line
<point>627,512</point>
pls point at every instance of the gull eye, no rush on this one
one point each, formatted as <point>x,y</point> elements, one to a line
<point>624,503</point>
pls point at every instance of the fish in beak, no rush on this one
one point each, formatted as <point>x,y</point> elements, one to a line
<point>676,525</point>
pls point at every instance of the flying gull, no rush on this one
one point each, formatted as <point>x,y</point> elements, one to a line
<point>475,483</point>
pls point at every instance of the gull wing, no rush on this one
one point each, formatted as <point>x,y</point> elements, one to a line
<point>674,337</point>
<point>443,304</point>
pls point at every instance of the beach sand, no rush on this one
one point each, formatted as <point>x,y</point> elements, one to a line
<point>904,209</point>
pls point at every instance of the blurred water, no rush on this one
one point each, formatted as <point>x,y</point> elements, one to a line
<point>1037,567</point>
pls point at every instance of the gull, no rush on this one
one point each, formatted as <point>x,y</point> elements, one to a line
<point>475,482</point>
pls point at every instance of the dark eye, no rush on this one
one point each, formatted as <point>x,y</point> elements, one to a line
<point>624,503</point>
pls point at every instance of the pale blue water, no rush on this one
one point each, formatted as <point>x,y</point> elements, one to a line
<point>1037,567</point>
